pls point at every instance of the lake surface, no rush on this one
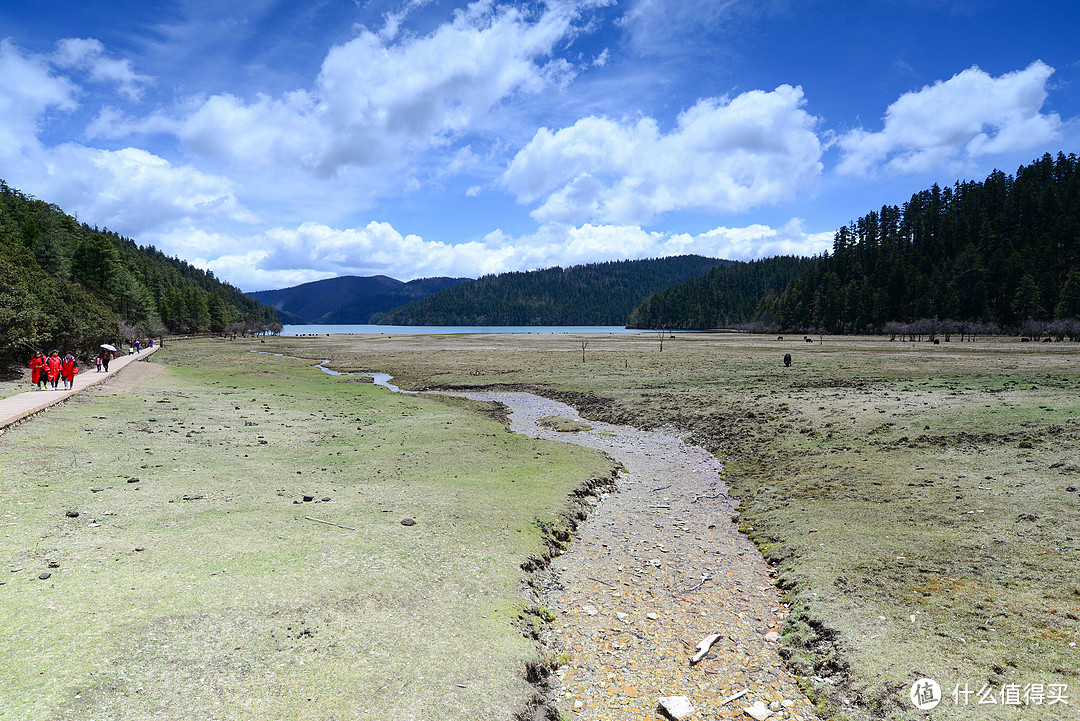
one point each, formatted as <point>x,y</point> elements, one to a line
<point>451,329</point>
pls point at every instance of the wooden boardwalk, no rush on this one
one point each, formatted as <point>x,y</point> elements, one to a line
<point>20,407</point>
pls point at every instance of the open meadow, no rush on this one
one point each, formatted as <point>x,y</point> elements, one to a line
<point>224,540</point>
<point>919,501</point>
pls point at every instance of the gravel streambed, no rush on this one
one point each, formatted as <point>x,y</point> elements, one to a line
<point>659,566</point>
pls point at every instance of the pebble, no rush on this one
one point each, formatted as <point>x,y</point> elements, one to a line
<point>758,710</point>
<point>677,707</point>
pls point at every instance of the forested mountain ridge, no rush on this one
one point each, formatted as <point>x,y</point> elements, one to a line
<point>724,297</point>
<point>349,299</point>
<point>592,294</point>
<point>1005,250</point>
<point>70,286</point>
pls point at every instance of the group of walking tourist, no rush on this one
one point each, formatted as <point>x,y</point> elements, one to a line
<point>47,371</point>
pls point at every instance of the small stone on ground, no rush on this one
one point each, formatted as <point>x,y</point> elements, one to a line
<point>677,707</point>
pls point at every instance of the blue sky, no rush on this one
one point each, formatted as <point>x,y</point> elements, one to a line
<point>277,143</point>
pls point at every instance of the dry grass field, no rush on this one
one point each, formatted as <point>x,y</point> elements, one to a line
<point>919,501</point>
<point>189,578</point>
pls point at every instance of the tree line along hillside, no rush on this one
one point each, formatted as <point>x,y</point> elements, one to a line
<point>1002,251</point>
<point>70,286</point>
<point>593,294</point>
<point>725,297</point>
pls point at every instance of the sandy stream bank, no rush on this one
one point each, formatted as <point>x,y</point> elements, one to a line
<point>658,566</point>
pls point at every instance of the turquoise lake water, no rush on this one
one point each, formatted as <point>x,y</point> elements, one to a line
<point>452,329</point>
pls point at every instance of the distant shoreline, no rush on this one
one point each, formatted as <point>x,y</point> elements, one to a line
<point>294,330</point>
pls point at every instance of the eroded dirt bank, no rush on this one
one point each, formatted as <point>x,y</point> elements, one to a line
<point>659,566</point>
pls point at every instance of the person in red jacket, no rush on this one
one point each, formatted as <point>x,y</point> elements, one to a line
<point>68,369</point>
<point>37,366</point>
<point>52,368</point>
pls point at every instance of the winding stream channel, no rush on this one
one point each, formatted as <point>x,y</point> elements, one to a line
<point>658,566</point>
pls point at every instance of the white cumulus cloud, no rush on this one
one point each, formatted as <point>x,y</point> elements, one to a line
<point>129,190</point>
<point>383,95</point>
<point>957,120</point>
<point>722,156</point>
<point>311,251</point>
<point>28,89</point>
<point>134,191</point>
<point>88,54</point>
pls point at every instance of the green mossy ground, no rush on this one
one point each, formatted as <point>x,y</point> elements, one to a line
<point>202,590</point>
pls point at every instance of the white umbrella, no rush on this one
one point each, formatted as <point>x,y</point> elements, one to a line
<point>106,346</point>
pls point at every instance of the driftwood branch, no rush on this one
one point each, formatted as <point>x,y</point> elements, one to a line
<point>703,647</point>
<point>319,520</point>
<point>718,495</point>
<point>700,584</point>
<point>660,488</point>
<point>731,698</point>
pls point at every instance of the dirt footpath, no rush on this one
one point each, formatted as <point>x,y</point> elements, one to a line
<point>658,567</point>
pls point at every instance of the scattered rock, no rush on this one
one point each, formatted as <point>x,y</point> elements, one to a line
<point>195,497</point>
<point>308,499</point>
<point>589,610</point>
<point>53,564</point>
<point>772,637</point>
<point>139,548</point>
<point>72,514</point>
<point>676,707</point>
<point>774,706</point>
<point>1071,489</point>
<point>44,575</point>
<point>408,521</point>
<point>652,617</point>
<point>133,480</point>
<point>325,499</point>
<point>758,710</point>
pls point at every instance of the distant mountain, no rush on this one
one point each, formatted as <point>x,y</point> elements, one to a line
<point>593,294</point>
<point>349,299</point>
